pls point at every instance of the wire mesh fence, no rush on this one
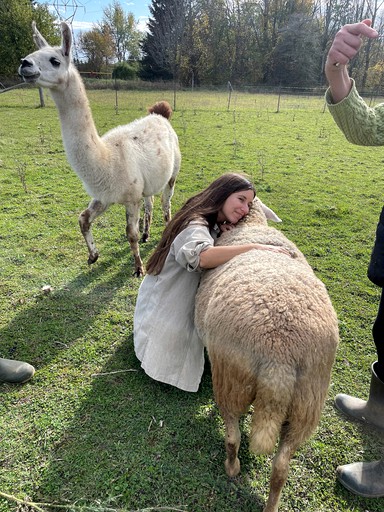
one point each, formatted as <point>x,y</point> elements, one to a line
<point>228,96</point>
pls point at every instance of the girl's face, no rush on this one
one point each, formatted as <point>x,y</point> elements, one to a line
<point>236,206</point>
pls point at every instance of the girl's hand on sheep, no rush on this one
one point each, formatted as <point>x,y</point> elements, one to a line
<point>273,248</point>
<point>226,226</point>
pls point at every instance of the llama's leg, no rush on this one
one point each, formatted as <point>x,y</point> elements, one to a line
<point>132,214</point>
<point>280,468</point>
<point>166,199</point>
<point>232,444</point>
<point>95,208</point>
<point>148,207</point>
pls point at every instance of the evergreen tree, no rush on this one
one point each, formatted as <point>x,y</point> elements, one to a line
<point>162,45</point>
<point>293,63</point>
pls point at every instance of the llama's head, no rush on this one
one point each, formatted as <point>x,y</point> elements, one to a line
<point>48,66</point>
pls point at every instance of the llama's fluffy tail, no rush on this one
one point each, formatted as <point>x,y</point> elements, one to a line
<point>163,108</point>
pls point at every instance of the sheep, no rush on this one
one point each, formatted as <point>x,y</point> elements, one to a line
<point>271,335</point>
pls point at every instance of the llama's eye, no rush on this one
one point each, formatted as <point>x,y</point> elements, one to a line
<point>55,62</point>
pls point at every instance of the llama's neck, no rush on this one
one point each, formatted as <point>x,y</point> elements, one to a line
<point>81,140</point>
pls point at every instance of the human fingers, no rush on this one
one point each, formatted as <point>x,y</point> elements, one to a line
<point>348,41</point>
<point>363,28</point>
<point>284,251</point>
<point>226,227</point>
<point>277,248</point>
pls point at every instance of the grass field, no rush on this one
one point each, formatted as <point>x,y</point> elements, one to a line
<point>91,431</point>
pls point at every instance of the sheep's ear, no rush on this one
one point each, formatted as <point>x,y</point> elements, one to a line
<point>270,214</point>
<point>40,42</point>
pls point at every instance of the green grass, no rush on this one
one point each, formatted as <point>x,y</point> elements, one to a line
<point>76,437</point>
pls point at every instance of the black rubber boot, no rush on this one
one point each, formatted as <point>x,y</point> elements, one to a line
<point>363,478</point>
<point>370,411</point>
<point>15,372</point>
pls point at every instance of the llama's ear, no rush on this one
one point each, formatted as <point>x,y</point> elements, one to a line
<point>40,42</point>
<point>66,39</point>
<point>270,214</point>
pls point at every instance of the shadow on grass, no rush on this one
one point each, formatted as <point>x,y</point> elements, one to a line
<point>119,440</point>
<point>52,322</point>
<point>131,442</point>
<point>136,443</point>
<point>58,319</point>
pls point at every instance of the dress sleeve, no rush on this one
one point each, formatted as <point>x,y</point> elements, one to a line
<point>361,124</point>
<point>188,245</point>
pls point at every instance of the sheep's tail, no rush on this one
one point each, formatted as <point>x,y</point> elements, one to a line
<point>163,108</point>
<point>273,398</point>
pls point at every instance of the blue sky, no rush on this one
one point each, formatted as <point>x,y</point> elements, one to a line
<point>86,12</point>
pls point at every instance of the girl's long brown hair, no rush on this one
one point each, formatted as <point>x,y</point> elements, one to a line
<point>206,205</point>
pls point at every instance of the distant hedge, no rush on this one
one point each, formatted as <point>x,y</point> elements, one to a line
<point>125,71</point>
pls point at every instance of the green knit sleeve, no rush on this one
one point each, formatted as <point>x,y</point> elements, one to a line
<point>361,124</point>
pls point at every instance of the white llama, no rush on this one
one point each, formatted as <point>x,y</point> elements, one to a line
<point>129,162</point>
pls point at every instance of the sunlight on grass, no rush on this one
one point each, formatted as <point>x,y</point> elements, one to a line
<point>119,439</point>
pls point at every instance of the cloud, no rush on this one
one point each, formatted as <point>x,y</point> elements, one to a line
<point>142,23</point>
<point>83,25</point>
<point>89,25</point>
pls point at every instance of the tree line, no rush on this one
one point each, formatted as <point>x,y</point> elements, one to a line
<point>270,42</point>
<point>208,42</point>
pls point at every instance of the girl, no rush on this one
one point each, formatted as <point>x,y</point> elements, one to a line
<point>165,338</point>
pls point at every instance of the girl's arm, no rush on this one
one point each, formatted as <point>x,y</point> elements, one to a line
<point>215,256</point>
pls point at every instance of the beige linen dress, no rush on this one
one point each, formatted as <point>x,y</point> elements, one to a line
<point>165,337</point>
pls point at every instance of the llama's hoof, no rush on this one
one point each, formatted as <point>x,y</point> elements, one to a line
<point>139,272</point>
<point>92,259</point>
<point>145,237</point>
<point>233,469</point>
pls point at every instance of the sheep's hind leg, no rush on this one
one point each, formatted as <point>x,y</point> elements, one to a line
<point>232,444</point>
<point>132,214</point>
<point>166,199</point>
<point>148,207</point>
<point>280,468</point>
<point>86,217</point>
